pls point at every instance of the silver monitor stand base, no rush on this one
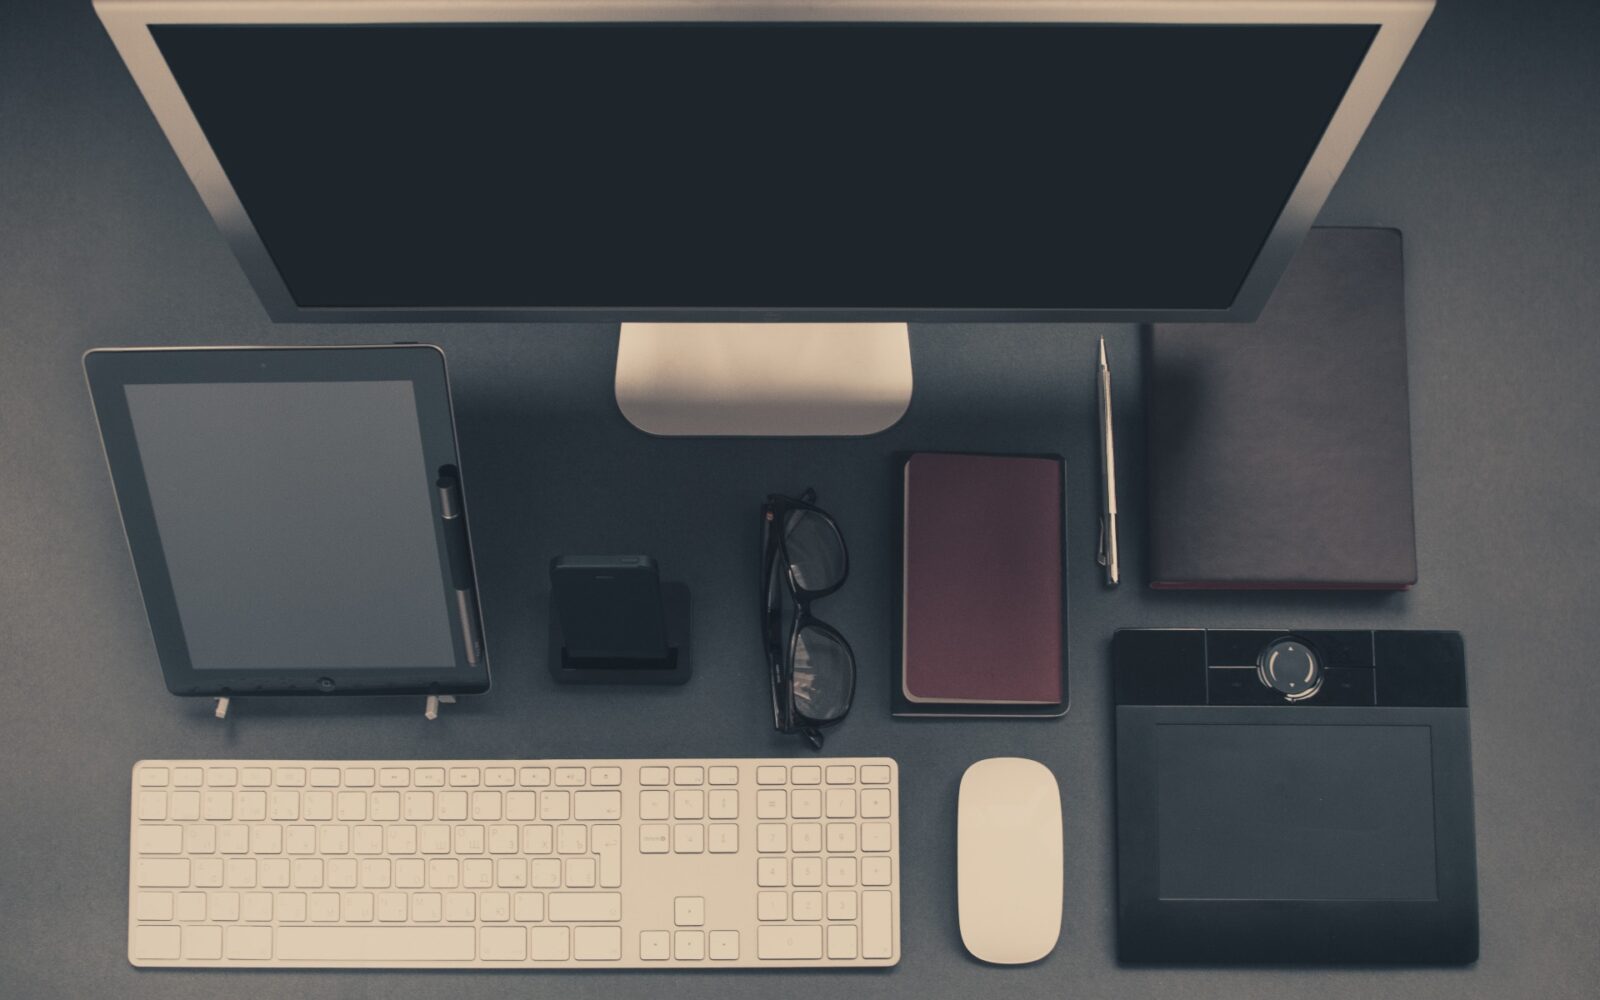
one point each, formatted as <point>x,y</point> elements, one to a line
<point>756,379</point>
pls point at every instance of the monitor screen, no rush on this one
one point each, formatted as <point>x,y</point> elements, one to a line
<point>296,523</point>
<point>815,166</point>
<point>1295,812</point>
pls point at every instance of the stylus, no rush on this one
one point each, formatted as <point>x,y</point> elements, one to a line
<point>1108,472</point>
<point>460,552</point>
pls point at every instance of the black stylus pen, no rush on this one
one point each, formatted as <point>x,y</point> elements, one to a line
<point>460,551</point>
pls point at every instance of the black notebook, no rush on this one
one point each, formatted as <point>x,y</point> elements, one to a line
<point>1280,450</point>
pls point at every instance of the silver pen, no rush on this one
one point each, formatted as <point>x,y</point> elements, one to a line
<point>1108,471</point>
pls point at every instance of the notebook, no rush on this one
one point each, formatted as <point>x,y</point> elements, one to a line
<point>1279,451</point>
<point>983,600</point>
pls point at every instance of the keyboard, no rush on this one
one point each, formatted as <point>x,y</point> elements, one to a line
<point>736,863</point>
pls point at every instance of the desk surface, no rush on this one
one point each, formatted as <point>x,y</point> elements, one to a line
<point>1486,155</point>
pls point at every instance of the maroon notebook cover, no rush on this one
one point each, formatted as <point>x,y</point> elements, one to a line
<point>982,576</point>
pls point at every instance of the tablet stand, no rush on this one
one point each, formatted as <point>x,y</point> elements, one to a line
<point>430,708</point>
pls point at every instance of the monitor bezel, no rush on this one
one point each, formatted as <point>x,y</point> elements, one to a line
<point>128,23</point>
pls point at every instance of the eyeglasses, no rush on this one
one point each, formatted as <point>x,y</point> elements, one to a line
<point>814,671</point>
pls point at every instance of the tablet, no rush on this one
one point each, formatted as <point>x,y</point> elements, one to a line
<point>1293,797</point>
<point>296,517</point>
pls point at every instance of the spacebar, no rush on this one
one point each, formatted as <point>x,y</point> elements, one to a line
<point>376,944</point>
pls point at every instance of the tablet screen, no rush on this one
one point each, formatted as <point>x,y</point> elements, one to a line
<point>1291,812</point>
<point>296,522</point>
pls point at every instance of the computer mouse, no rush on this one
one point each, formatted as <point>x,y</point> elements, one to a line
<point>1008,860</point>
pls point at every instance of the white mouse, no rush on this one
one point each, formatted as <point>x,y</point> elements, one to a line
<point>1008,860</point>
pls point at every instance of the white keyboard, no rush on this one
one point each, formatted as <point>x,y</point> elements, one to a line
<point>739,863</point>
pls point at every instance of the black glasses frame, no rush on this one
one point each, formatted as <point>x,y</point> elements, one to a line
<point>786,717</point>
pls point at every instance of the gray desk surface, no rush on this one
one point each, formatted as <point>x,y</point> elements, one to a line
<point>1487,155</point>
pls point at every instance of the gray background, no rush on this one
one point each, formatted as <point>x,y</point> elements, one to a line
<point>1487,156</point>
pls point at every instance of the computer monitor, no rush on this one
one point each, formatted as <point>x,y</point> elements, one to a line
<point>719,175</point>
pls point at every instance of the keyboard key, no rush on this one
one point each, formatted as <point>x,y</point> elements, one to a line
<point>842,905</point>
<point>202,943</point>
<point>538,839</point>
<point>549,944</point>
<point>255,777</point>
<point>451,806</point>
<point>771,774</point>
<point>291,777</point>
<point>788,942</point>
<point>772,838</point>
<point>499,777</point>
<point>464,777</point>
<point>189,777</point>
<point>316,805</point>
<point>360,777</point>
<point>689,911</point>
<point>689,774</point>
<point>841,838</point>
<point>157,942</point>
<point>597,805</point>
<point>290,906</point>
<point>503,944</point>
<point>248,943</point>
<point>806,774</point>
<point>189,906</point>
<point>805,838</point>
<point>874,803</point>
<point>486,805</point>
<point>772,803</point>
<point>724,946</point>
<point>201,838</point>
<point>427,907</point>
<point>655,805</point>
<point>875,774</point>
<point>722,838</point>
<point>875,837</point>
<point>394,777</point>
<point>772,906</point>
<point>555,805</point>
<point>528,906</point>
<point>356,907</point>
<point>522,805</point>
<point>807,871</point>
<point>153,906</point>
<point>806,803</point>
<point>655,946</point>
<point>511,873</point>
<point>688,838</point>
<point>722,803</point>
<point>375,944</point>
<point>605,776</point>
<point>572,839</point>
<point>428,777</point>
<point>325,777</point>
<point>841,774</point>
<point>342,873</point>
<point>251,806</point>
<point>875,871</point>
<point>688,946</point>
<point>206,873</point>
<point>545,873</point>
<point>186,805</point>
<point>351,806</point>
<point>493,907</point>
<point>724,775</point>
<point>772,872</point>
<point>152,805</point>
<point>460,907</point>
<point>655,775</point>
<point>877,939</point>
<point>571,907</point>
<point>806,906</point>
<point>655,838</point>
<point>153,776</point>
<point>533,777</point>
<point>166,873</point>
<point>841,871</point>
<point>689,803</point>
<point>571,776</point>
<point>159,840</point>
<point>606,841</point>
<point>841,803</point>
<point>581,873</point>
<point>283,805</point>
<point>841,941</point>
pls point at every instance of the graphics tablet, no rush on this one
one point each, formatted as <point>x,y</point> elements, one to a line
<point>295,517</point>
<point>1293,797</point>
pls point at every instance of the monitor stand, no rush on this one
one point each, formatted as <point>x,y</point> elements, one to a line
<point>762,379</point>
